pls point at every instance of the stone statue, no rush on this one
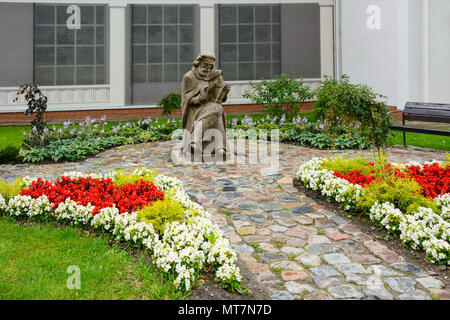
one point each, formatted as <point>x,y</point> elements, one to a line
<point>203,119</point>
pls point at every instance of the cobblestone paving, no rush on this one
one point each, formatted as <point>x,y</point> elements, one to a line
<point>293,246</point>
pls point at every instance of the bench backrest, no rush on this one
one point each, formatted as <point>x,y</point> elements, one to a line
<point>429,112</point>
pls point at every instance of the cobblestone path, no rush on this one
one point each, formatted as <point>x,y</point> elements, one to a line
<point>293,246</point>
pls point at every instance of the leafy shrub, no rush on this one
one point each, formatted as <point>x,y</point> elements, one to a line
<point>170,103</point>
<point>343,165</point>
<point>279,92</point>
<point>10,190</point>
<point>403,193</point>
<point>121,178</point>
<point>9,153</point>
<point>355,106</point>
<point>161,213</point>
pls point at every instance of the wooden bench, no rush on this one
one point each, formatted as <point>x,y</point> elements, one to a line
<point>427,112</point>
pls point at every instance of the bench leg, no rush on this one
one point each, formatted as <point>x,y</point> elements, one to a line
<point>404,139</point>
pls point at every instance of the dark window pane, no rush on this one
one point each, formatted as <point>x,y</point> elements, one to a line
<point>245,14</point>
<point>139,54</point>
<point>85,75</point>
<point>139,34</point>
<point>228,34</point>
<point>186,14</point>
<point>276,33</point>
<point>262,33</point>
<point>87,15</point>
<point>61,14</point>
<point>65,76</point>
<point>139,14</point>
<point>246,71</point>
<point>186,34</point>
<point>154,34</point>
<point>246,52</point>
<point>262,70</point>
<point>85,35</point>
<point>276,68</point>
<point>45,14</point>
<point>85,55</point>
<point>170,34</point>
<point>170,72</point>
<point>170,14</point>
<point>262,52</point>
<point>229,71</point>
<point>45,76</point>
<point>170,53</point>
<point>245,33</point>
<point>228,53</point>
<point>139,73</point>
<point>65,36</point>
<point>184,68</point>
<point>45,56</point>
<point>276,14</point>
<point>155,73</point>
<point>262,14</point>
<point>155,54</point>
<point>275,52</point>
<point>227,14</point>
<point>100,15</point>
<point>65,56</point>
<point>154,14</point>
<point>99,55</point>
<point>45,35</point>
<point>100,75</point>
<point>186,53</point>
<point>100,35</point>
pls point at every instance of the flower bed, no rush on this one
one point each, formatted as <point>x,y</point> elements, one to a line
<point>418,206</point>
<point>187,244</point>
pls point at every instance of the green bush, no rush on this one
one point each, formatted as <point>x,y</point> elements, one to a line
<point>161,213</point>
<point>403,193</point>
<point>343,165</point>
<point>278,93</point>
<point>355,106</point>
<point>170,103</point>
<point>10,190</point>
<point>9,153</point>
<point>121,178</point>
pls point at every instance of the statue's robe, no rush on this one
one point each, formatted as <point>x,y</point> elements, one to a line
<point>209,112</point>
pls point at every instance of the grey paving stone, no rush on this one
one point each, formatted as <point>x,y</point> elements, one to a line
<point>282,295</point>
<point>247,205</point>
<point>288,199</point>
<point>338,220</point>
<point>301,210</point>
<point>272,257</point>
<point>382,271</point>
<point>430,282</point>
<point>277,228</point>
<point>280,214</point>
<point>298,288</point>
<point>378,292</point>
<point>401,284</point>
<point>320,248</point>
<point>238,216</point>
<point>364,280</point>
<point>350,268</point>
<point>414,295</point>
<point>345,292</point>
<point>258,217</point>
<point>335,258</point>
<point>324,282</point>
<point>270,207</point>
<point>242,248</point>
<point>292,250</point>
<point>407,267</point>
<point>229,188</point>
<point>350,246</point>
<point>325,271</point>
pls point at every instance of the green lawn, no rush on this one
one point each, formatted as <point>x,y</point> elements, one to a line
<point>34,260</point>
<point>422,140</point>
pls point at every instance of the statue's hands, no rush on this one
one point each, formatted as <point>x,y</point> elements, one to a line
<point>204,93</point>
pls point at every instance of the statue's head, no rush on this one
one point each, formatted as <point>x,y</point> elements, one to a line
<point>204,63</point>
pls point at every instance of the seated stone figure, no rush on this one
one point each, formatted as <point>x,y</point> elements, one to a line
<point>203,119</point>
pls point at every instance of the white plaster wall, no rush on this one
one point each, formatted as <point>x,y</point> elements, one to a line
<point>439,51</point>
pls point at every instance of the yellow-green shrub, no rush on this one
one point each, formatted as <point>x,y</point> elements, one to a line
<point>9,190</point>
<point>343,165</point>
<point>403,193</point>
<point>121,178</point>
<point>161,213</point>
